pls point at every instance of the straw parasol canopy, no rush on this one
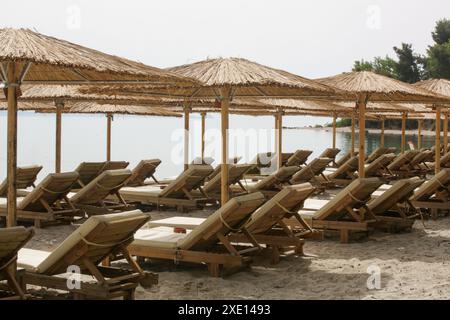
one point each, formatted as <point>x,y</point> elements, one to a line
<point>96,108</point>
<point>29,57</point>
<point>439,86</point>
<point>48,59</point>
<point>380,88</point>
<point>248,80</point>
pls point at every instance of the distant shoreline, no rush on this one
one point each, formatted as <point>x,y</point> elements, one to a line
<point>373,131</point>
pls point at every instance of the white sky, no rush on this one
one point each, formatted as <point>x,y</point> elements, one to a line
<point>310,38</point>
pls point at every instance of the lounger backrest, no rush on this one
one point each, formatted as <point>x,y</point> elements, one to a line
<point>25,176</point>
<point>115,165</point>
<point>353,196</point>
<point>235,174</point>
<point>420,158</point>
<point>11,241</point>
<point>98,237</point>
<point>144,170</point>
<point>104,185</point>
<point>377,153</point>
<point>445,160</point>
<point>299,158</point>
<point>315,168</point>
<point>189,180</point>
<point>53,188</point>
<point>346,169</point>
<point>287,201</point>
<point>282,175</point>
<point>330,153</point>
<point>402,160</point>
<point>228,218</point>
<point>346,157</point>
<point>439,182</point>
<point>88,171</point>
<point>400,192</point>
<point>218,168</point>
<point>373,169</point>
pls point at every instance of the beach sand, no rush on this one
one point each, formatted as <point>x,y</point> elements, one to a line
<point>412,265</point>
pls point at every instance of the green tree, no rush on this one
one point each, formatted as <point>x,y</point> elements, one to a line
<point>409,66</point>
<point>438,61</point>
<point>362,65</point>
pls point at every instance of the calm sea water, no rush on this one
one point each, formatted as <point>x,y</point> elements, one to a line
<point>136,138</point>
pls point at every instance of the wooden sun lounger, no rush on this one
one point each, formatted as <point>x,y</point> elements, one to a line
<point>25,177</point>
<point>330,153</point>
<point>345,158</point>
<point>97,239</point>
<point>445,163</point>
<point>345,174</point>
<point>11,241</point>
<point>217,169</point>
<point>272,184</point>
<point>434,195</point>
<point>266,224</point>
<point>343,213</point>
<point>144,170</point>
<point>399,166</point>
<point>379,167</point>
<point>177,194</point>
<point>379,152</point>
<point>298,159</point>
<point>261,161</point>
<point>43,204</point>
<point>212,188</point>
<point>206,244</point>
<point>115,165</point>
<point>87,172</point>
<point>393,209</point>
<point>311,172</point>
<point>95,197</point>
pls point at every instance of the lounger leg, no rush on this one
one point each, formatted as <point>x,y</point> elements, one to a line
<point>344,236</point>
<point>275,255</point>
<point>37,224</point>
<point>214,270</point>
<point>13,283</point>
<point>434,214</point>
<point>299,250</point>
<point>130,295</point>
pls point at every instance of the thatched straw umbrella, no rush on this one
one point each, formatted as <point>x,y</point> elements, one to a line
<point>368,86</point>
<point>441,87</point>
<point>33,58</point>
<point>230,78</point>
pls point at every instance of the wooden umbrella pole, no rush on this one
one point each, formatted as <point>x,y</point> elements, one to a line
<point>109,119</point>
<point>445,132</point>
<point>12,144</point>
<point>438,141</point>
<point>224,112</point>
<point>362,102</point>
<point>58,140</point>
<point>186,136</point>
<point>382,133</point>
<point>404,117</point>
<point>203,135</point>
<point>419,134</point>
<point>334,131</point>
<point>353,134</point>
<point>280,139</point>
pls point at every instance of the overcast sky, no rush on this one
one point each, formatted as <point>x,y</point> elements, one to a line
<point>310,38</point>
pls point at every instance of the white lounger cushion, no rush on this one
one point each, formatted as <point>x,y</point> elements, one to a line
<point>149,190</point>
<point>177,222</point>
<point>162,237</point>
<point>32,261</point>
